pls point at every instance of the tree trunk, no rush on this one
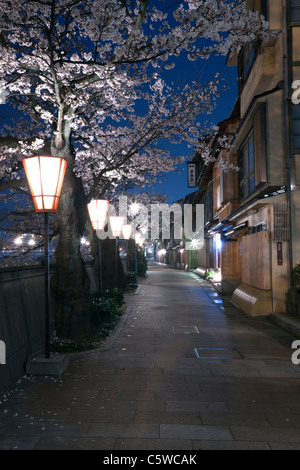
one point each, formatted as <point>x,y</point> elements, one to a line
<point>70,282</point>
<point>111,277</point>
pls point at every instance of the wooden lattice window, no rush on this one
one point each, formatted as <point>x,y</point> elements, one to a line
<point>281,221</point>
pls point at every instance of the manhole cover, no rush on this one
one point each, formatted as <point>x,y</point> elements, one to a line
<point>184,329</point>
<point>217,353</point>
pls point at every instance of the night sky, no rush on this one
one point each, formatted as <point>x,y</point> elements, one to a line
<point>175,185</point>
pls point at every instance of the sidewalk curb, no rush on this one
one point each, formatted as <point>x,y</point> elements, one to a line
<point>112,338</point>
<point>286,323</point>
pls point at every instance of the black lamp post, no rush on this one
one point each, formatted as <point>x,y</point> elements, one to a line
<point>116,224</point>
<point>134,209</point>
<point>98,209</point>
<point>45,175</point>
<point>126,231</point>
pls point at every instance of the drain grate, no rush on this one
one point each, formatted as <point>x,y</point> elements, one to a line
<point>186,330</point>
<point>217,353</point>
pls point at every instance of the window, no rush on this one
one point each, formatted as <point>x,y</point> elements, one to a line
<point>260,144</point>
<point>295,112</point>
<point>262,227</point>
<point>247,176</point>
<point>249,52</point>
<point>296,126</point>
<point>262,7</point>
<point>295,11</point>
<point>208,204</point>
<point>246,60</point>
<point>220,196</point>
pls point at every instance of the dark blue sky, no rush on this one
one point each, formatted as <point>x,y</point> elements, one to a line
<point>175,185</point>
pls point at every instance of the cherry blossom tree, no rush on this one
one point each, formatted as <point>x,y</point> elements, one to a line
<point>91,81</point>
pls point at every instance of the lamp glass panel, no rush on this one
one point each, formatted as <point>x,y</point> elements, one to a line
<point>116,225</point>
<point>98,212</point>
<point>126,229</point>
<point>38,202</point>
<point>63,167</point>
<point>50,170</point>
<point>32,169</point>
<point>45,176</point>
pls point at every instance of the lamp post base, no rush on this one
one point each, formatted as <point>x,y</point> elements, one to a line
<point>40,365</point>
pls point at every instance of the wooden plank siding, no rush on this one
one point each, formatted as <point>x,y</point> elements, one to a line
<point>256,264</point>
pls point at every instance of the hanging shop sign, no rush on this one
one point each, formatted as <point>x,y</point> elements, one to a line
<point>279,254</point>
<point>192,174</point>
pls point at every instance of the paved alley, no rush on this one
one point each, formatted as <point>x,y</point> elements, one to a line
<point>184,370</point>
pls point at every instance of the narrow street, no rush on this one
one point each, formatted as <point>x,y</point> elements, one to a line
<point>184,370</point>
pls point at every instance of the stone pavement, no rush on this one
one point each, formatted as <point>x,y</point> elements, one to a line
<point>184,370</point>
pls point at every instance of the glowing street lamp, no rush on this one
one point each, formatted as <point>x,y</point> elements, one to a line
<point>116,224</point>
<point>137,238</point>
<point>45,175</point>
<point>126,230</point>
<point>98,209</point>
<point>84,241</point>
<point>18,241</point>
<point>161,254</point>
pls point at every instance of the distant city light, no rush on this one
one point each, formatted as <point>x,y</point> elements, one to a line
<point>217,277</point>
<point>194,243</point>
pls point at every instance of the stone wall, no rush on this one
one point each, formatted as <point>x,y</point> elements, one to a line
<point>22,319</point>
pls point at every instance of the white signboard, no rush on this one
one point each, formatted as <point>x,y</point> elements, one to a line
<point>192,175</point>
